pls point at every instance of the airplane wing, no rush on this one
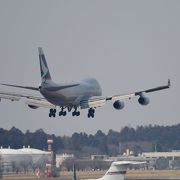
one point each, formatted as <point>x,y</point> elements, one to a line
<point>38,101</point>
<point>31,100</point>
<point>118,103</point>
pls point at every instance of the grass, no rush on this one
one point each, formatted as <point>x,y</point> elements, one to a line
<point>96,174</point>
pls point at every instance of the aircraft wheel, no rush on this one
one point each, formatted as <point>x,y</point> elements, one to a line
<point>64,113</point>
<point>78,113</point>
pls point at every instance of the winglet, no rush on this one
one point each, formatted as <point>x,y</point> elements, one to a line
<point>24,87</point>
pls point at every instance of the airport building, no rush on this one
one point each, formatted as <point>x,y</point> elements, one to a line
<point>164,160</point>
<point>25,159</point>
<point>154,160</point>
<point>171,155</point>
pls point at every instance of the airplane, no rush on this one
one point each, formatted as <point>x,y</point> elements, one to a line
<point>116,171</point>
<point>85,94</point>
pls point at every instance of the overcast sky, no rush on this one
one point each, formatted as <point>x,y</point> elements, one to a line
<point>126,45</point>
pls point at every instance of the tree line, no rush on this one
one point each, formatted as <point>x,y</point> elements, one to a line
<point>139,139</point>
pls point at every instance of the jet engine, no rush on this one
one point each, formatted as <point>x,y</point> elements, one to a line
<point>32,107</point>
<point>118,105</point>
<point>143,100</point>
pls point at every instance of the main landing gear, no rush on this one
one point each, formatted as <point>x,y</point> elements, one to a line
<point>91,112</point>
<point>62,112</point>
<point>52,113</point>
<point>75,112</point>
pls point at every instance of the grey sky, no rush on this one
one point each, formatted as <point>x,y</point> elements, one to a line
<point>125,45</point>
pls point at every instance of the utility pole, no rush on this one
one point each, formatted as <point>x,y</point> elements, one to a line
<point>74,172</point>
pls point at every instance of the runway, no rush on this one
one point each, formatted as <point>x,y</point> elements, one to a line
<point>131,175</point>
<point>154,178</point>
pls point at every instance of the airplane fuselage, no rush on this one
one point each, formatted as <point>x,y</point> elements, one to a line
<point>71,96</point>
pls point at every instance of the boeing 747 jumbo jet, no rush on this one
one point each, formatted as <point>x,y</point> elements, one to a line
<point>85,94</point>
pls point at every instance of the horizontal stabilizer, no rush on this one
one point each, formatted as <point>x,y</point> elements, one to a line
<point>9,97</point>
<point>23,87</point>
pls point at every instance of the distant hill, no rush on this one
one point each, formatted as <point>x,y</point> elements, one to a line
<point>140,139</point>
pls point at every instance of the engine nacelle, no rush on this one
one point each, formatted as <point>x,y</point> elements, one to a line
<point>143,100</point>
<point>118,105</point>
<point>32,107</point>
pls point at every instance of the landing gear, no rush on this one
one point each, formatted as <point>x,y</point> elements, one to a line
<point>62,112</point>
<point>75,112</point>
<point>91,112</point>
<point>52,113</point>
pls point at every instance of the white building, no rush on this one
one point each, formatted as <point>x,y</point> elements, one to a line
<point>171,155</point>
<point>21,159</point>
<point>164,160</point>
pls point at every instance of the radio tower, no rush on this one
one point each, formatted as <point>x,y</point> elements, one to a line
<point>50,157</point>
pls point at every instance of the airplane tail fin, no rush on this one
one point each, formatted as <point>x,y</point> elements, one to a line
<point>118,170</point>
<point>45,74</point>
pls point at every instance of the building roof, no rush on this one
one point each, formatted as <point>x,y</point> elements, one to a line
<point>162,154</point>
<point>32,151</point>
<point>8,151</point>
